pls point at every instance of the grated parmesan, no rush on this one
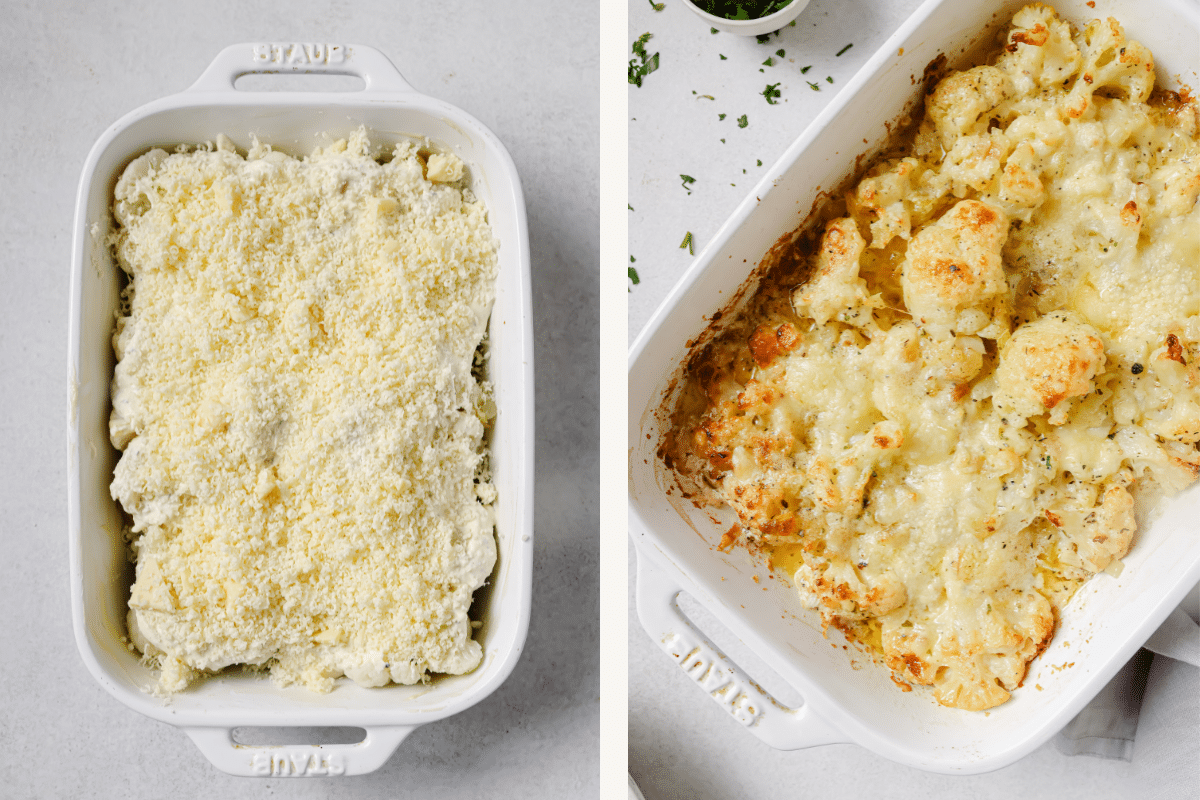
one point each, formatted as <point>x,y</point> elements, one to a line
<point>299,403</point>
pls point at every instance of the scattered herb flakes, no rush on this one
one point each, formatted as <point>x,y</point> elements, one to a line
<point>813,86</point>
<point>763,38</point>
<point>844,49</point>
<point>632,259</point>
<point>714,30</point>
<point>743,121</point>
<point>722,56</point>
<point>720,116</point>
<point>656,7</point>
<point>771,92</point>
<point>769,62</point>
<point>687,243</point>
<point>648,63</point>
<point>829,78</point>
<point>633,276</point>
<point>704,97</point>
<point>805,69</point>
<point>688,180</point>
<point>630,207</point>
<point>779,52</point>
<point>743,172</point>
<point>722,141</point>
<point>759,161</point>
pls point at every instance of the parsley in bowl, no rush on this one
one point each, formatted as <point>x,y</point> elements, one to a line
<point>747,17</point>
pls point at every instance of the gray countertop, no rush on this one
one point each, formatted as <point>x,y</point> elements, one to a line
<point>77,68</point>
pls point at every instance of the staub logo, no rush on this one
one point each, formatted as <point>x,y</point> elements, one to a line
<point>702,665</point>
<point>299,53</point>
<point>298,764</point>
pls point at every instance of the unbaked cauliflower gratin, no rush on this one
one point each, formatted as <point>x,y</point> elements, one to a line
<point>938,418</point>
<point>301,399</point>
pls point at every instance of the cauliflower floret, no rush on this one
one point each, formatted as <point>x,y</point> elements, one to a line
<point>1093,533</point>
<point>963,102</point>
<point>1045,363</point>
<point>955,262</point>
<point>1039,51</point>
<point>1112,65</point>
<point>835,289</point>
<point>881,198</point>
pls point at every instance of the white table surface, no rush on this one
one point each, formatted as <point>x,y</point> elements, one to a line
<point>73,69</point>
<point>681,744</point>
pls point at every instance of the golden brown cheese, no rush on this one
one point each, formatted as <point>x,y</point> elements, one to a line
<point>943,430</point>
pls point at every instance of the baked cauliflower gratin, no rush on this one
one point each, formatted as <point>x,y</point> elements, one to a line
<point>939,408</point>
<point>301,399</point>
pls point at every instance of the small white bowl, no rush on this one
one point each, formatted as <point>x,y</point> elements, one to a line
<point>751,27</point>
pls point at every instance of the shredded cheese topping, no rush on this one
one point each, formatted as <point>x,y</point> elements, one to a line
<point>300,403</point>
<point>999,338</point>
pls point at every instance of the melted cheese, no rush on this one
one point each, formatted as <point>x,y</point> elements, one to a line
<point>939,437</point>
<point>301,424</point>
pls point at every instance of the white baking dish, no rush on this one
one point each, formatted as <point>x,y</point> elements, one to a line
<point>1105,623</point>
<point>295,122</point>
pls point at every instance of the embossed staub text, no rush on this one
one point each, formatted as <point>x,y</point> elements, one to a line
<point>285,763</point>
<point>701,665</point>
<point>298,53</point>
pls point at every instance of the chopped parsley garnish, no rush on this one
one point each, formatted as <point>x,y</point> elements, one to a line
<point>657,6</point>
<point>687,243</point>
<point>771,92</point>
<point>714,30</point>
<point>829,78</point>
<point>805,69</point>
<point>740,9</point>
<point>769,62</point>
<point>704,97</point>
<point>648,64</point>
<point>722,141</point>
<point>722,57</point>
<point>688,180</point>
<point>633,276</point>
<point>720,116</point>
<point>813,86</point>
<point>743,121</point>
<point>763,38</point>
<point>779,52</point>
<point>759,161</point>
<point>630,207</point>
<point>844,49</point>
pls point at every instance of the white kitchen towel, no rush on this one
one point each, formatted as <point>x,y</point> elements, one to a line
<point>1148,713</point>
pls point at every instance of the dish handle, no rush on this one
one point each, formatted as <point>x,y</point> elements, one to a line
<point>724,681</point>
<point>299,761</point>
<point>251,58</point>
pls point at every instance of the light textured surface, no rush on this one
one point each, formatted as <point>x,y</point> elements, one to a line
<point>682,745</point>
<point>82,68</point>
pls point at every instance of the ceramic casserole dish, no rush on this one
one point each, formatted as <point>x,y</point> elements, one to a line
<point>844,701</point>
<point>295,122</point>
